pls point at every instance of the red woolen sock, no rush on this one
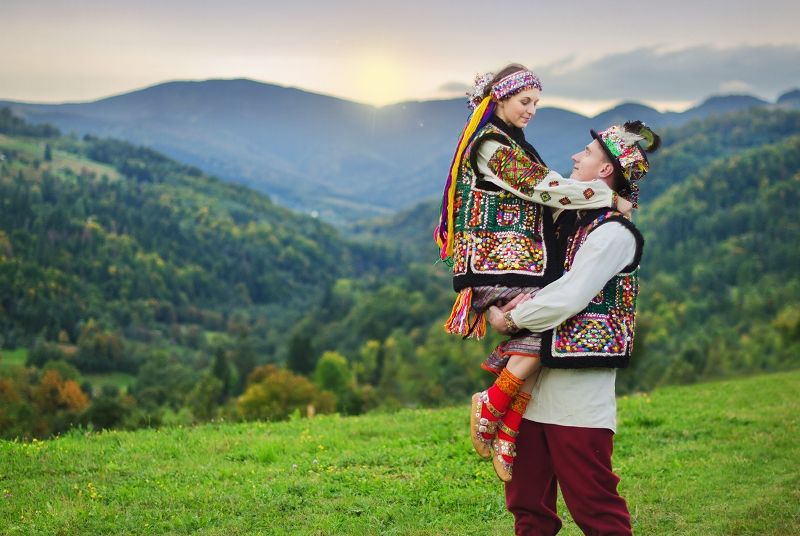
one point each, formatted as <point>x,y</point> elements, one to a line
<point>509,427</point>
<point>500,395</point>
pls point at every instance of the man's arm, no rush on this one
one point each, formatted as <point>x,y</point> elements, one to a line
<point>607,250</point>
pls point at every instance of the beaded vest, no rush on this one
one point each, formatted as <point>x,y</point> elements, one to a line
<point>500,239</point>
<point>602,334</point>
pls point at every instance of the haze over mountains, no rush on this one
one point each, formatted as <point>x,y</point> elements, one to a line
<point>319,154</point>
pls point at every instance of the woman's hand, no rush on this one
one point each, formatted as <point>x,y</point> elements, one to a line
<point>624,206</point>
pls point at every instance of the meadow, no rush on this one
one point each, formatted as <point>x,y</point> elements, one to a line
<point>717,458</point>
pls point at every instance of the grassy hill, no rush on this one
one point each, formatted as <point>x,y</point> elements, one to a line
<point>710,459</point>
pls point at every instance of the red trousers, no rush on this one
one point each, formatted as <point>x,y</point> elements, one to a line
<point>579,460</point>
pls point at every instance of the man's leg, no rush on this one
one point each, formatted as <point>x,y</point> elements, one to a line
<point>531,495</point>
<point>582,464</point>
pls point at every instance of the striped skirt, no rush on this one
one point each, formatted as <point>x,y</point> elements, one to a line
<point>523,343</point>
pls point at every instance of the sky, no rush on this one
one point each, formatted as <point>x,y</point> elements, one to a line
<point>589,55</point>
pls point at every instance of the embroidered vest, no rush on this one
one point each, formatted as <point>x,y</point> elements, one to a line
<point>500,239</point>
<point>602,334</point>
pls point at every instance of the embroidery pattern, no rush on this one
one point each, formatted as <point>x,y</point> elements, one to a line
<point>520,402</point>
<point>516,169</point>
<point>508,383</point>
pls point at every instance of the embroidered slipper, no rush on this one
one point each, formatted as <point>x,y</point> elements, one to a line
<point>503,468</point>
<point>479,426</point>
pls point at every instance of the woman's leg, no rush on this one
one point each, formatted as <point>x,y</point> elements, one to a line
<point>524,367</point>
<point>505,443</point>
<point>489,407</point>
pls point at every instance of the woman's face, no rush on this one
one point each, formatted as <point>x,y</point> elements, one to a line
<point>520,108</point>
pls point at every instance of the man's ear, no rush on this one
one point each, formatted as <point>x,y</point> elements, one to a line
<point>606,170</point>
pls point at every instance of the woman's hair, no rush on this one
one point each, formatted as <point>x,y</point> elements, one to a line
<point>502,73</point>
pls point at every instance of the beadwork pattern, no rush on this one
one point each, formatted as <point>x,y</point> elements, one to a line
<point>606,327</point>
<point>514,83</point>
<point>494,252</point>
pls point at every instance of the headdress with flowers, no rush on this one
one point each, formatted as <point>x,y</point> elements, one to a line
<point>621,143</point>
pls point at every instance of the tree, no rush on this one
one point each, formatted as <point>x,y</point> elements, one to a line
<point>274,393</point>
<point>204,398</point>
<point>333,374</point>
<point>244,359</point>
<point>301,357</point>
<point>221,370</point>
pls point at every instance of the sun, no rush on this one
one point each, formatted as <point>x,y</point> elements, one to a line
<point>379,78</point>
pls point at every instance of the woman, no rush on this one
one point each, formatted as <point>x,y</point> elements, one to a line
<point>496,231</point>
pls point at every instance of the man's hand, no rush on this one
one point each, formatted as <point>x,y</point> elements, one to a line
<point>496,319</point>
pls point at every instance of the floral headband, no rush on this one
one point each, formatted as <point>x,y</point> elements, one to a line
<point>505,87</point>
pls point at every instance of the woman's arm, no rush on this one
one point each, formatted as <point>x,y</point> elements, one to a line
<point>516,173</point>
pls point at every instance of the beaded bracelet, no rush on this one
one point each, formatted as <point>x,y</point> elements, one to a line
<point>512,327</point>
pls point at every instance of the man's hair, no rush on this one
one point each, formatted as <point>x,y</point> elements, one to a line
<point>618,183</point>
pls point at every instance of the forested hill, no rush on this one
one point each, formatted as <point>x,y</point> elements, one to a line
<point>100,229</point>
<point>114,258</point>
<point>316,153</point>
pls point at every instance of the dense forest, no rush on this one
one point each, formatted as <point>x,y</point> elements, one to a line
<point>216,303</point>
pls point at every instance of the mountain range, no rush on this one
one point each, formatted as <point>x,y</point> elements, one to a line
<point>325,156</point>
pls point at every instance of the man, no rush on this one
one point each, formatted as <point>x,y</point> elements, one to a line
<point>567,433</point>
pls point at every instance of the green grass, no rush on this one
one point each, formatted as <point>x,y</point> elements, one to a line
<point>709,459</point>
<point>13,358</point>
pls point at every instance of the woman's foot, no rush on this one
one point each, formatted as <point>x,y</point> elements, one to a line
<point>482,428</point>
<point>503,459</point>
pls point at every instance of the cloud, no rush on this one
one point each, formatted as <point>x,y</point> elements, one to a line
<point>454,87</point>
<point>736,86</point>
<point>652,73</point>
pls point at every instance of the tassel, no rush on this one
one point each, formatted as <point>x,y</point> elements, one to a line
<point>443,234</point>
<point>463,321</point>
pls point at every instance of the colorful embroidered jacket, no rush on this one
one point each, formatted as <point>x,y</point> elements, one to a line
<point>602,334</point>
<point>503,228</point>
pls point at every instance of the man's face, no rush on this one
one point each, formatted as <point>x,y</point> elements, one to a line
<point>591,163</point>
<point>519,109</point>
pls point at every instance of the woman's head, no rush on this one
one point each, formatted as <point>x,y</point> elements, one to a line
<point>516,91</point>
